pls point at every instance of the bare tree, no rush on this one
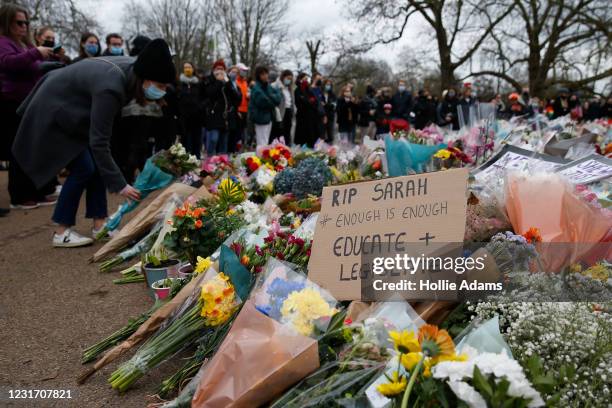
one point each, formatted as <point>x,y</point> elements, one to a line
<point>315,50</point>
<point>184,24</point>
<point>362,72</point>
<point>250,28</point>
<point>68,20</point>
<point>460,26</point>
<point>555,42</point>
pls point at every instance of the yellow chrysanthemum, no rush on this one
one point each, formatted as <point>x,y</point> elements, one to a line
<point>302,308</point>
<point>395,387</point>
<point>203,264</point>
<point>405,341</point>
<point>410,360</point>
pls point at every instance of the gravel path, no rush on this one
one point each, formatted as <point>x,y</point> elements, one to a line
<point>53,304</point>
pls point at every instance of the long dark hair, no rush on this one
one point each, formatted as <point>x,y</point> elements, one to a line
<point>8,12</point>
<point>135,90</point>
<point>84,38</point>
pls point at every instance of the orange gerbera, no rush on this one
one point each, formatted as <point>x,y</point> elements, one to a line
<point>198,224</point>
<point>533,235</point>
<point>436,342</point>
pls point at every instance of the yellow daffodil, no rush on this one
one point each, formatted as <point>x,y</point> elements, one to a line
<point>218,300</point>
<point>405,341</point>
<point>394,388</point>
<point>203,264</point>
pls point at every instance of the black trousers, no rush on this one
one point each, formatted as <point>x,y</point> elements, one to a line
<point>20,186</point>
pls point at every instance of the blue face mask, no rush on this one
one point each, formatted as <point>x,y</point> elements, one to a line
<point>91,49</point>
<point>328,88</point>
<point>153,93</point>
<point>287,82</point>
<point>116,51</point>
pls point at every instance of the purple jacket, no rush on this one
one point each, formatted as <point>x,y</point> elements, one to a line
<point>19,69</point>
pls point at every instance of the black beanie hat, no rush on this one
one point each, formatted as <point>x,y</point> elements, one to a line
<point>138,44</point>
<point>155,62</point>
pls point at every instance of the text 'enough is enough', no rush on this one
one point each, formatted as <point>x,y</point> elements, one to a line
<point>409,212</point>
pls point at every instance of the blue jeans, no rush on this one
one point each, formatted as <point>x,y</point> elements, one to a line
<point>83,176</point>
<point>216,141</point>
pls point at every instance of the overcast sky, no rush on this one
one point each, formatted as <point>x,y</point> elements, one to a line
<point>325,16</point>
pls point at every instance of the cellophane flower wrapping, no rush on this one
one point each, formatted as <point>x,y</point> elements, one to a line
<point>211,304</point>
<point>291,299</point>
<point>147,217</point>
<point>569,226</point>
<point>271,345</point>
<point>404,157</point>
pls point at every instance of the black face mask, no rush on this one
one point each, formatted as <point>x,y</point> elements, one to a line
<point>319,83</point>
<point>48,43</point>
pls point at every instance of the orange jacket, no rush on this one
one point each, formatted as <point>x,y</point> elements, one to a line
<point>244,88</point>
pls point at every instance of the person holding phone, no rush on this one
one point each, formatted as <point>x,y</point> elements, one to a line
<point>68,122</point>
<point>20,68</point>
<point>45,37</point>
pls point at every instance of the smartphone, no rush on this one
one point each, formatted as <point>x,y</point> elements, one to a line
<point>57,48</point>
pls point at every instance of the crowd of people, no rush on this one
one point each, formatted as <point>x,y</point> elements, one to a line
<point>100,115</point>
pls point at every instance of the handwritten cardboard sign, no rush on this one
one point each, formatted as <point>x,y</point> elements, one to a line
<point>423,208</point>
<point>587,170</point>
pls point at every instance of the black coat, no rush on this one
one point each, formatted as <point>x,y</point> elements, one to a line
<point>221,100</point>
<point>329,105</point>
<point>559,109</point>
<point>425,112</point>
<point>347,115</point>
<point>367,104</point>
<point>448,107</point>
<point>189,102</point>
<point>70,110</point>
<point>308,117</point>
<point>402,105</point>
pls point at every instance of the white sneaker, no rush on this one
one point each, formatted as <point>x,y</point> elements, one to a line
<point>70,239</point>
<point>109,234</point>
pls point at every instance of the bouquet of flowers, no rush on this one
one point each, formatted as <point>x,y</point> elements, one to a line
<point>279,245</point>
<point>176,160</point>
<point>285,314</point>
<point>216,166</point>
<point>275,157</point>
<point>565,347</point>
<point>429,369</point>
<point>372,168</point>
<point>142,246</point>
<point>261,185</point>
<point>214,304</point>
<point>450,157</point>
